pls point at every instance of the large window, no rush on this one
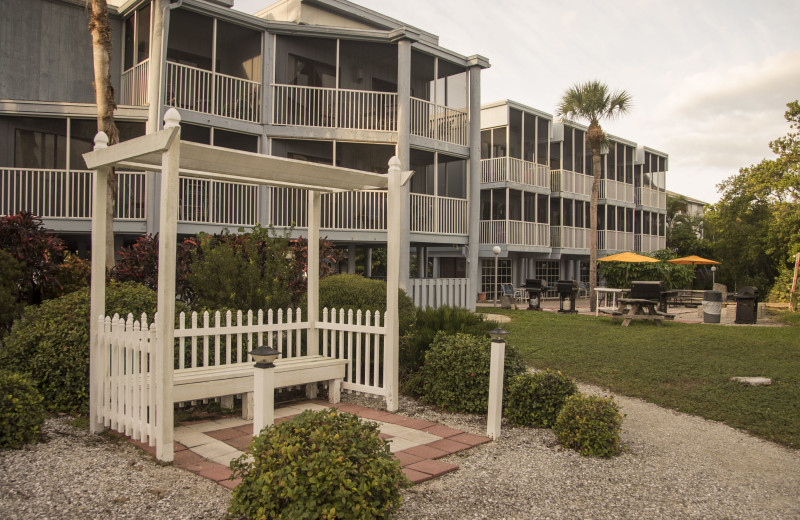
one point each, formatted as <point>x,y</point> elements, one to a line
<point>487,275</point>
<point>550,272</point>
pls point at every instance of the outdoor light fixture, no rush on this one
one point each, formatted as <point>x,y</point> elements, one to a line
<point>496,250</point>
<point>713,275</point>
<point>498,334</point>
<point>264,356</point>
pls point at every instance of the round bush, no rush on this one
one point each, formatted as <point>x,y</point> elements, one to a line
<point>536,399</point>
<point>322,464</point>
<point>456,372</point>
<point>589,425</point>
<point>352,291</point>
<point>51,342</point>
<point>21,411</point>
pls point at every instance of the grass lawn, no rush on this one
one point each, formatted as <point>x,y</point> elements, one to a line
<point>685,367</point>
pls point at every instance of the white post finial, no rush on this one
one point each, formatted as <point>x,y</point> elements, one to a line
<point>172,118</point>
<point>100,140</point>
<point>394,163</point>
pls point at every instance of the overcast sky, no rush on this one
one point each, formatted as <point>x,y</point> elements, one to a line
<point>710,79</point>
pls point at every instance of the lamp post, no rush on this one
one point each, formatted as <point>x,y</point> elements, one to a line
<point>496,250</point>
<point>263,387</point>
<point>713,276</point>
<point>495,411</point>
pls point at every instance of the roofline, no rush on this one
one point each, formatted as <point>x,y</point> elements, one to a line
<point>516,104</point>
<point>687,198</point>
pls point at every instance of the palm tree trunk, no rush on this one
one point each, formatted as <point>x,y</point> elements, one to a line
<point>104,96</point>
<point>595,137</point>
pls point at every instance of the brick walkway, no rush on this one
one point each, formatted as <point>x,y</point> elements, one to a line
<point>207,447</point>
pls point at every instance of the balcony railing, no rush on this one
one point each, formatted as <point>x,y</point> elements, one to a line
<point>568,237</point>
<point>615,240</point>
<point>514,232</point>
<point>214,202</point>
<point>647,243</point>
<point>510,169</point>
<point>439,122</point>
<point>439,215</point>
<point>133,89</point>
<point>66,194</point>
<point>199,90</point>
<point>566,181</point>
<point>329,108</point>
<point>651,198</point>
<point>615,190</point>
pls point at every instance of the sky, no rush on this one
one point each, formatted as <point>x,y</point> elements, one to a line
<point>710,79</point>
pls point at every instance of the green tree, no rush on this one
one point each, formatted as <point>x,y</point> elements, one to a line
<point>755,227</point>
<point>593,101</point>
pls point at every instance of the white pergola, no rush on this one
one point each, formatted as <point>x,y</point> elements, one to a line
<point>164,152</point>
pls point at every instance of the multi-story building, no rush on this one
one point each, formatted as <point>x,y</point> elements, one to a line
<point>536,183</point>
<point>314,80</point>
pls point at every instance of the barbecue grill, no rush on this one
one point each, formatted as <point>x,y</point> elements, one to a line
<point>567,292</point>
<point>535,288</point>
<point>746,305</point>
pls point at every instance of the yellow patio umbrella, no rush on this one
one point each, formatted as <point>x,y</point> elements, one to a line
<point>693,260</point>
<point>629,258</point>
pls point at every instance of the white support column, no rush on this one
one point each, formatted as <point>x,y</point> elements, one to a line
<point>98,285</point>
<point>165,317</point>
<point>264,398</point>
<point>351,259</point>
<point>368,262</point>
<point>313,271</point>
<point>474,186</point>
<point>496,368</point>
<point>404,156</point>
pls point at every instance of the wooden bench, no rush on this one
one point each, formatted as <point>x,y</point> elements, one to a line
<point>227,380</point>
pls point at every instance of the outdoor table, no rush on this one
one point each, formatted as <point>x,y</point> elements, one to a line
<point>608,295</point>
<point>637,309</point>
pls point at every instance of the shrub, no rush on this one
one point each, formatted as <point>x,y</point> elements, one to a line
<point>72,274</point>
<point>351,291</point>
<point>139,263</point>
<point>428,322</point>
<point>21,411</point>
<point>51,342</point>
<point>589,425</point>
<point>536,399</point>
<point>456,372</point>
<point>322,464</point>
<point>10,275</point>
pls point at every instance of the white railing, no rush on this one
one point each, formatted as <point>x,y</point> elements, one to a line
<point>330,107</point>
<point>440,215</point>
<point>199,90</point>
<point>216,202</point>
<point>439,122</point>
<point>354,210</point>
<point>647,243</point>
<point>133,88</point>
<point>509,169</point>
<point>514,232</point>
<point>615,190</point>
<point>615,241</point>
<point>650,198</point>
<point>128,389</point>
<point>437,292</point>
<point>569,237</point>
<point>131,196</point>
<point>566,181</point>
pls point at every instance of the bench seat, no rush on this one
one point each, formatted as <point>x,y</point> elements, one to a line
<point>208,382</point>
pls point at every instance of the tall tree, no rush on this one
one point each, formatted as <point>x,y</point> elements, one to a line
<point>100,30</point>
<point>593,102</point>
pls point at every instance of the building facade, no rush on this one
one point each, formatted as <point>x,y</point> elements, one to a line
<point>313,80</point>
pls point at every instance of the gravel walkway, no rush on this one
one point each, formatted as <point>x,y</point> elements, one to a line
<point>675,466</point>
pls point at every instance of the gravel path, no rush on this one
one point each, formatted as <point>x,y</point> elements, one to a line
<point>675,466</point>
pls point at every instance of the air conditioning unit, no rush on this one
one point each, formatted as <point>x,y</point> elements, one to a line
<point>557,131</point>
<point>638,158</point>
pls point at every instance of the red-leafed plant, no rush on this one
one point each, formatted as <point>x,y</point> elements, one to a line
<point>139,263</point>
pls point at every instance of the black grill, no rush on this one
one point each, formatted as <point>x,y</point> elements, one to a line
<point>533,283</point>
<point>747,293</point>
<point>566,287</point>
<point>567,292</point>
<point>646,290</point>
<point>534,288</point>
<point>747,305</point>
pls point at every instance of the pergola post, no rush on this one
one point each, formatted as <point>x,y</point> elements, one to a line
<point>312,280</point>
<point>98,285</point>
<point>165,318</point>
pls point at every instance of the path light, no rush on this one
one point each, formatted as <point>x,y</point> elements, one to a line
<point>264,356</point>
<point>497,364</point>
<point>713,275</point>
<point>496,250</point>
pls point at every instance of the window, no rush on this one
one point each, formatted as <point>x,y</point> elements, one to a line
<point>486,204</point>
<point>514,205</point>
<point>499,204</point>
<point>542,138</point>
<point>487,275</point>
<point>529,137</point>
<point>515,134</point>
<point>541,208</point>
<point>530,207</point>
<point>549,271</point>
<point>452,176</point>
<point>568,152</point>
<point>569,219</point>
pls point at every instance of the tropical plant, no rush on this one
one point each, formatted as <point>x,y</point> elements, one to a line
<point>139,263</point>
<point>593,101</point>
<point>21,410</point>
<point>10,307</point>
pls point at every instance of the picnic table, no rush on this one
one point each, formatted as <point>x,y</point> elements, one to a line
<point>630,309</point>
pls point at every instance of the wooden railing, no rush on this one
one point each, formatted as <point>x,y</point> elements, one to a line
<point>133,88</point>
<point>509,169</point>
<point>439,215</point>
<point>566,181</point>
<point>439,122</point>
<point>514,232</point>
<point>199,90</point>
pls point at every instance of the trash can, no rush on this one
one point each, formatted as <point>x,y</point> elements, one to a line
<point>747,305</point>
<point>712,306</point>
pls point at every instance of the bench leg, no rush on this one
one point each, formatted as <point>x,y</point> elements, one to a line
<point>226,401</point>
<point>334,391</point>
<point>248,403</point>
<point>311,391</point>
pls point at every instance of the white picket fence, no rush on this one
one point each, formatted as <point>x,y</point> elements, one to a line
<point>438,292</point>
<point>128,349</point>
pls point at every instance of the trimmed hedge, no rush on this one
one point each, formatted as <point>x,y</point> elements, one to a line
<point>456,372</point>
<point>352,291</point>
<point>21,411</point>
<point>536,399</point>
<point>51,342</point>
<point>590,425</point>
<point>324,464</point>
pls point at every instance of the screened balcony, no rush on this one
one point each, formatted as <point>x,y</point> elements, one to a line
<point>509,169</point>
<point>514,218</point>
<point>569,182</point>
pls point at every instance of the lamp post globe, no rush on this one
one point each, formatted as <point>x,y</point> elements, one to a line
<point>496,250</point>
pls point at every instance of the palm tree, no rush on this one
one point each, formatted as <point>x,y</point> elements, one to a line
<point>593,101</point>
<point>104,96</point>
